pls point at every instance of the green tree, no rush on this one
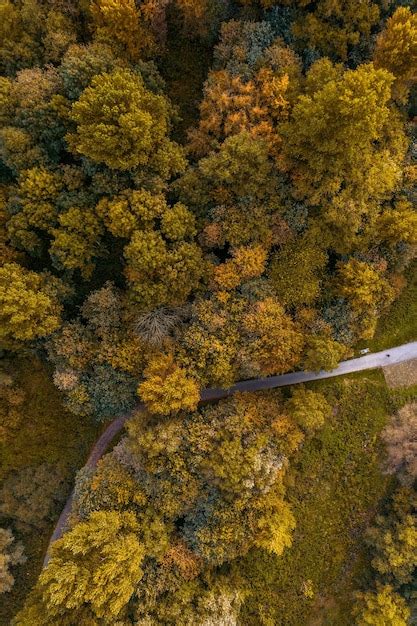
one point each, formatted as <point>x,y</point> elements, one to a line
<point>394,539</point>
<point>81,63</point>
<point>362,285</point>
<point>220,474</point>
<point>109,486</point>
<point>19,35</point>
<point>396,49</point>
<point>11,400</point>
<point>158,259</point>
<point>124,125</point>
<point>207,601</point>
<point>117,22</point>
<point>295,272</point>
<point>75,243</point>
<point>382,607</point>
<point>341,143</point>
<point>335,26</point>
<point>398,224</point>
<point>309,409</point>
<point>99,358</point>
<point>272,341</point>
<point>97,563</point>
<point>323,353</point>
<point>29,304</point>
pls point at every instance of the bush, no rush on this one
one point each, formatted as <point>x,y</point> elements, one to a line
<point>9,555</point>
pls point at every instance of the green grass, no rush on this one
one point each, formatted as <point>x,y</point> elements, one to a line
<point>335,487</point>
<point>47,433</point>
<point>399,325</point>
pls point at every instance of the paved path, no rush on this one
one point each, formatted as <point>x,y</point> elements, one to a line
<point>402,353</point>
<point>370,361</point>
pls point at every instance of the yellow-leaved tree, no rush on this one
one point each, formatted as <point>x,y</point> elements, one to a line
<point>345,145</point>
<point>396,50</point>
<point>121,123</point>
<point>167,388</point>
<point>29,305</point>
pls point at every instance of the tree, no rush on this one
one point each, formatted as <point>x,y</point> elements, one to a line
<point>60,33</point>
<point>117,22</point>
<point>110,392</point>
<point>29,306</point>
<point>154,267</point>
<point>103,310</point>
<point>75,243</point>
<point>160,251</point>
<point>295,272</point>
<point>139,210</point>
<point>396,49</point>
<point>97,563</point>
<point>308,409</point>
<point>366,290</point>
<point>81,63</point>
<point>362,285</point>
<point>99,357</point>
<point>38,117</point>
<point>38,194</point>
<point>243,98</point>
<point>124,125</point>
<point>109,486</point>
<point>398,224</point>
<point>209,601</point>
<point>31,496</point>
<point>219,474</point>
<point>156,327</point>
<point>202,18</point>
<point>336,25</point>
<point>10,554</point>
<point>273,342</point>
<point>400,437</point>
<point>246,263</point>
<point>323,353</point>
<point>394,540</point>
<point>341,144</point>
<point>230,170</point>
<point>11,400</point>
<point>210,343</point>
<point>382,607</point>
<point>167,388</point>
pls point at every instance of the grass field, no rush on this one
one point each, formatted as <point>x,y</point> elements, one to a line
<point>335,487</point>
<point>47,433</point>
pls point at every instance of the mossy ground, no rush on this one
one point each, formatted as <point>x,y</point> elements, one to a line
<point>48,433</point>
<point>335,487</point>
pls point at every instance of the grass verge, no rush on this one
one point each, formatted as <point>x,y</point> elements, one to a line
<point>47,433</point>
<point>335,487</point>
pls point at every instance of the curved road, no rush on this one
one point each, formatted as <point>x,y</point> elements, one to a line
<point>391,356</point>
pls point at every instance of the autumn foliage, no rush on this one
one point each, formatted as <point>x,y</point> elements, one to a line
<point>144,262</point>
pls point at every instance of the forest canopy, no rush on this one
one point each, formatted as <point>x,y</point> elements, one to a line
<point>195,193</point>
